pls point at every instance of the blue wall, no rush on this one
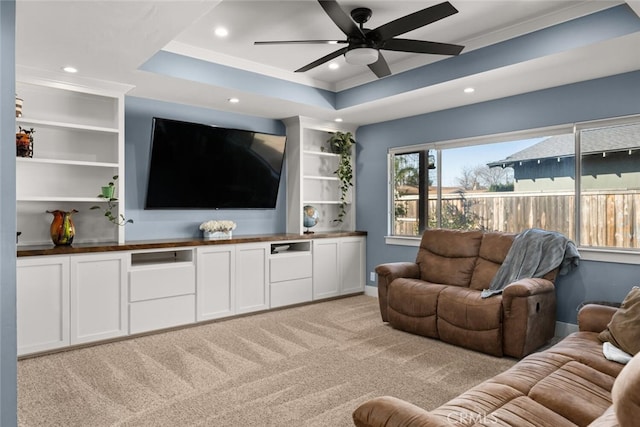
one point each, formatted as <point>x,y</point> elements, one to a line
<point>8,351</point>
<point>170,224</point>
<point>595,99</point>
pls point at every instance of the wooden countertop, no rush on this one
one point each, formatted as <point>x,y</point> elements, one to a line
<point>81,248</point>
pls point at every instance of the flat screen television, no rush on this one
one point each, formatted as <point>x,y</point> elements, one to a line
<point>198,166</point>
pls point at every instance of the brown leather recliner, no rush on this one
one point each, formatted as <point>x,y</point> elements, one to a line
<point>570,384</point>
<point>438,296</point>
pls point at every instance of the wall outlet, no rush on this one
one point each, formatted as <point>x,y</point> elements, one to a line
<point>373,277</point>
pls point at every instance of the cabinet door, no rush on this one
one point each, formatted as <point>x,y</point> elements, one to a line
<point>352,259</point>
<point>252,292</point>
<point>326,273</point>
<point>42,288</point>
<point>215,282</point>
<point>98,297</point>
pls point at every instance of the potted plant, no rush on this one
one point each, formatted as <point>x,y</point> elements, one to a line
<point>108,194</point>
<point>341,143</point>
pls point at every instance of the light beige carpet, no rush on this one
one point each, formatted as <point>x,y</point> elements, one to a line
<point>304,366</point>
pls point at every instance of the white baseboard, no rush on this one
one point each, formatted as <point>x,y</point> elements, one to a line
<point>371,291</point>
<point>563,329</point>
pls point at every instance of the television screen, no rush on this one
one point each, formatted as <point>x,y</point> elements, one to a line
<point>202,166</point>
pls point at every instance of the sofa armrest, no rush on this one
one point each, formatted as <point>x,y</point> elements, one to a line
<point>529,316</point>
<point>527,287</point>
<point>393,270</point>
<point>387,411</point>
<point>595,317</point>
<point>387,273</point>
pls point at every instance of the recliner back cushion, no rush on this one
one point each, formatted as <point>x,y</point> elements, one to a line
<point>493,251</point>
<point>448,256</point>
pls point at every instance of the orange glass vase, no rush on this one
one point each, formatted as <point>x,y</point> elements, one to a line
<point>62,229</point>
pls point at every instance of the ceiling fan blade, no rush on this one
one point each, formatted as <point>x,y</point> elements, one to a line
<point>419,46</point>
<point>413,21</point>
<point>380,67</point>
<point>301,42</point>
<point>322,60</point>
<point>341,19</point>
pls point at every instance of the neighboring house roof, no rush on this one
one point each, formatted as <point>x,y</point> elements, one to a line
<point>621,138</point>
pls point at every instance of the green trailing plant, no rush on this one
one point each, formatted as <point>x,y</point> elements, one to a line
<point>341,143</point>
<point>108,194</point>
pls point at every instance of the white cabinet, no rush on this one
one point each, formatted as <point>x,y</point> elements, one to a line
<point>78,147</point>
<point>352,265</point>
<point>162,289</point>
<point>326,273</point>
<point>290,273</point>
<point>98,289</point>
<point>338,266</point>
<point>216,270</point>
<point>252,292</point>
<point>42,288</point>
<point>311,178</point>
<point>73,299</point>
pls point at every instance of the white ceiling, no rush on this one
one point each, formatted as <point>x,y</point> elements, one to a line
<point>110,40</point>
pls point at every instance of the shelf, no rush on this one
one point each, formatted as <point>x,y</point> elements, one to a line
<point>320,153</point>
<point>61,199</point>
<point>22,120</point>
<point>66,162</point>
<point>174,257</point>
<point>321,177</point>
<point>322,202</point>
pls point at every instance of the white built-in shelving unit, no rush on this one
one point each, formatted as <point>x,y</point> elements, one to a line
<point>311,178</point>
<point>78,147</point>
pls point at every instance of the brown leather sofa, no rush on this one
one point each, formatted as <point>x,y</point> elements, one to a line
<point>569,384</point>
<point>438,295</point>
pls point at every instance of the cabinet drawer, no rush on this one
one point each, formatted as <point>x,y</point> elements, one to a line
<point>289,267</point>
<point>291,292</point>
<point>160,282</point>
<point>161,313</point>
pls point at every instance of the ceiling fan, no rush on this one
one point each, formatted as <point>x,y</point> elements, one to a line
<point>364,45</point>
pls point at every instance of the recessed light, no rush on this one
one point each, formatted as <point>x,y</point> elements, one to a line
<point>221,32</point>
<point>332,42</point>
<point>70,69</point>
<point>334,66</point>
<point>469,90</point>
<point>233,100</point>
<point>338,120</point>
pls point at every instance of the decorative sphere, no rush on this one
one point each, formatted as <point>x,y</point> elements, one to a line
<point>310,216</point>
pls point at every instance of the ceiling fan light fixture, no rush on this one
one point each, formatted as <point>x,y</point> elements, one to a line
<point>361,56</point>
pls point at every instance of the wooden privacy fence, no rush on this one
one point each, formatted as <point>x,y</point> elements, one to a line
<point>609,218</point>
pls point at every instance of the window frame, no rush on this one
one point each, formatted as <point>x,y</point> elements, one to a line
<point>625,256</point>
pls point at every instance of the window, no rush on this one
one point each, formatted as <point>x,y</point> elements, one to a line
<point>610,186</point>
<point>525,180</point>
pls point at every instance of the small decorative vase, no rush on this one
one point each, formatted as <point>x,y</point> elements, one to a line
<point>107,192</point>
<point>62,229</point>
<point>217,235</point>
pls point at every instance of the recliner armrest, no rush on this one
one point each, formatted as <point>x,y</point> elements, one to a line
<point>393,270</point>
<point>387,411</point>
<point>387,273</point>
<point>529,310</point>
<point>595,317</point>
<point>527,287</point>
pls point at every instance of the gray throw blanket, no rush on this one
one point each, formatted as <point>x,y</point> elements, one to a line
<point>534,253</point>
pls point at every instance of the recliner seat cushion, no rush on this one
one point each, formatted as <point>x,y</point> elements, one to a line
<point>576,391</point>
<point>467,320</point>
<point>412,306</point>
